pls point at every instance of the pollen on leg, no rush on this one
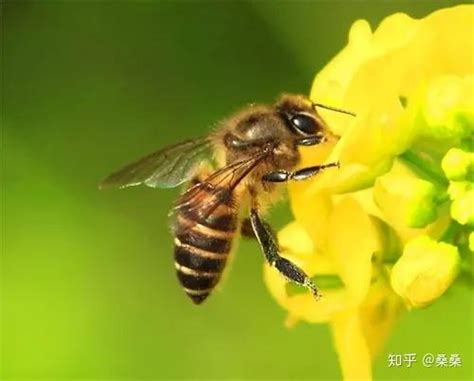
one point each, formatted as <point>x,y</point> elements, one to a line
<point>309,284</point>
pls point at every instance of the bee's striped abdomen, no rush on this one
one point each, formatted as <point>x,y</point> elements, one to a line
<point>201,247</point>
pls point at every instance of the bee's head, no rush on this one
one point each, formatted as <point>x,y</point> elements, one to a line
<point>302,118</point>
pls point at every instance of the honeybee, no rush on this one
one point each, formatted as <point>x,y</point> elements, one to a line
<point>254,152</point>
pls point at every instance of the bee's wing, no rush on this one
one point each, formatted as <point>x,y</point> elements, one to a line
<point>205,196</point>
<point>166,168</point>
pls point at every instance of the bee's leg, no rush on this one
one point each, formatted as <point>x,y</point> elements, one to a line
<point>311,140</point>
<point>282,175</point>
<point>232,141</point>
<point>246,229</point>
<point>269,245</point>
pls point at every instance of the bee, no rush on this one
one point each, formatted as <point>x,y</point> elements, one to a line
<point>254,152</point>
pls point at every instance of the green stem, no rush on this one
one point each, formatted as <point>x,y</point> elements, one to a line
<point>423,168</point>
<point>451,233</point>
<point>328,281</point>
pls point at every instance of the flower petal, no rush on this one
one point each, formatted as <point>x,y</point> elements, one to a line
<point>360,333</point>
<point>312,210</point>
<point>379,314</point>
<point>353,240</point>
<point>351,346</point>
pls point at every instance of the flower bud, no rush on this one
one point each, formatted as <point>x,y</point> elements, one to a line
<point>457,189</point>
<point>405,200</point>
<point>448,107</point>
<point>424,271</point>
<point>462,208</point>
<point>458,165</point>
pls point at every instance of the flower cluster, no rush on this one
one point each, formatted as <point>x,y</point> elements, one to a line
<point>393,227</point>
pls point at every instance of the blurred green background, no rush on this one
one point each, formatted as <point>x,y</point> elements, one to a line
<point>88,285</point>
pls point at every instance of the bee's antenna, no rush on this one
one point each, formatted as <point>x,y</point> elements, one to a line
<point>333,109</point>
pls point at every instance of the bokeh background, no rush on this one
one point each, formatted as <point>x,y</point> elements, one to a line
<point>88,288</point>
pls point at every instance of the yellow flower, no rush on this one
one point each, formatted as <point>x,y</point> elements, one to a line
<point>351,263</point>
<point>411,85</point>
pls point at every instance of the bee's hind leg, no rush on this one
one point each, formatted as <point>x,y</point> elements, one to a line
<point>271,251</point>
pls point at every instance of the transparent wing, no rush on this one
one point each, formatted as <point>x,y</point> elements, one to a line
<point>166,168</point>
<point>204,197</point>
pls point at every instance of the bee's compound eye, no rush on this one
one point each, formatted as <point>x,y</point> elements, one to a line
<point>304,123</point>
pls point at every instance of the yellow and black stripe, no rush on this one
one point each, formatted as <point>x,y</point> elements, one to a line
<point>202,247</point>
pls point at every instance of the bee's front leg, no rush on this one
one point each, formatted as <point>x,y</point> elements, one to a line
<point>282,175</point>
<point>271,251</point>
